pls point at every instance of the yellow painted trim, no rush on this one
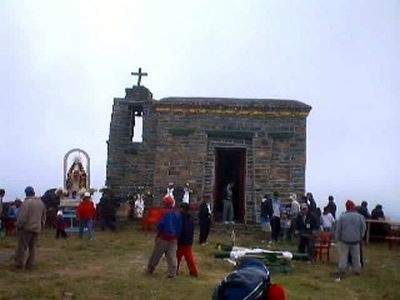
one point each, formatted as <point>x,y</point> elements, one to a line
<point>219,111</point>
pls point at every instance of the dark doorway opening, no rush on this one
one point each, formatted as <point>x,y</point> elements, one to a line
<point>230,165</point>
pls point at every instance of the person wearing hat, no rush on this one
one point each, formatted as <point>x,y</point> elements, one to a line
<point>86,213</point>
<point>30,221</point>
<point>168,231</point>
<point>307,229</point>
<point>350,230</point>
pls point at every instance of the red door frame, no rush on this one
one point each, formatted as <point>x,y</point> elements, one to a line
<point>242,153</point>
<point>242,185</point>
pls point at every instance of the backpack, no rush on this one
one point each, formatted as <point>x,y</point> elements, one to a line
<point>250,281</point>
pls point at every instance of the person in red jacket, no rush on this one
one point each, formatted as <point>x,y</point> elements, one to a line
<point>86,213</point>
<point>185,241</point>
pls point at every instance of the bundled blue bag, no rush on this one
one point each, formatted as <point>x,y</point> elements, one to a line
<point>250,281</point>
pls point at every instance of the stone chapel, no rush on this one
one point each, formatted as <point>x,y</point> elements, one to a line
<point>260,144</point>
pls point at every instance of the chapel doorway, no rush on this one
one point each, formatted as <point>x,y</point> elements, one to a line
<point>230,165</point>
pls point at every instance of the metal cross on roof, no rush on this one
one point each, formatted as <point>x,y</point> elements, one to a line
<point>139,74</point>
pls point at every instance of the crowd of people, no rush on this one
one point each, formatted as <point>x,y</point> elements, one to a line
<point>288,220</point>
<point>305,220</point>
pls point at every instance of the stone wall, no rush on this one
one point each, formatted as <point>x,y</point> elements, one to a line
<point>181,135</point>
<point>131,164</point>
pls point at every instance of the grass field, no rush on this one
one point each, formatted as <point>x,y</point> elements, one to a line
<point>113,267</point>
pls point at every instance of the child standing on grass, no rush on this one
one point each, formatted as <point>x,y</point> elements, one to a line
<point>185,241</point>
<point>61,224</point>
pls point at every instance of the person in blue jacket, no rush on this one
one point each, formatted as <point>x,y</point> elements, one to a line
<point>250,281</point>
<point>168,233</point>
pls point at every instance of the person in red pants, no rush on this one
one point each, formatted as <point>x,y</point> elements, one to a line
<point>185,241</point>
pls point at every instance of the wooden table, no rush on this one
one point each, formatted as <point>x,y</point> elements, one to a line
<point>370,221</point>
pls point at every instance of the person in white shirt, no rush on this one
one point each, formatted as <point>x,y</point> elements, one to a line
<point>139,206</point>
<point>170,190</point>
<point>327,220</point>
<point>205,215</point>
<point>276,216</point>
<point>186,193</point>
<point>294,212</point>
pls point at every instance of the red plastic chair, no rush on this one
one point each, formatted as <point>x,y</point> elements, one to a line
<point>323,246</point>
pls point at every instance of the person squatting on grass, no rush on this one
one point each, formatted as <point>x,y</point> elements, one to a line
<point>86,213</point>
<point>185,241</point>
<point>250,281</point>
<point>31,219</point>
<point>61,225</point>
<point>169,230</point>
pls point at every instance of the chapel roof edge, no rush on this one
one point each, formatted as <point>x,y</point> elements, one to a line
<point>242,102</point>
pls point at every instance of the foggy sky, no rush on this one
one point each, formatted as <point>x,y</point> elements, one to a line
<point>63,62</point>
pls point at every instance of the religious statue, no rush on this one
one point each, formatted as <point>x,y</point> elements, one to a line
<point>76,179</point>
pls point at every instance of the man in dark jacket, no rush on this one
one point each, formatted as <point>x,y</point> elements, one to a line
<point>307,229</point>
<point>363,210</point>
<point>331,206</point>
<point>205,214</point>
<point>106,208</point>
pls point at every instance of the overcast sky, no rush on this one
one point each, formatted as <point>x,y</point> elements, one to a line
<point>63,62</point>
